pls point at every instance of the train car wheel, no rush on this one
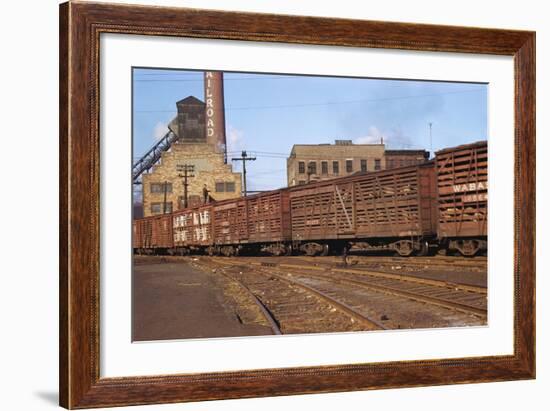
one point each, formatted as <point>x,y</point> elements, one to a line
<point>404,248</point>
<point>312,249</point>
<point>469,248</point>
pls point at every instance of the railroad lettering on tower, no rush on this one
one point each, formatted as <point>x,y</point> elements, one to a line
<point>209,95</point>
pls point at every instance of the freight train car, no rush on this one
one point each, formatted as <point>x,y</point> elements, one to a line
<point>253,224</point>
<point>153,235</point>
<point>269,222</point>
<point>462,198</point>
<point>441,204</point>
<point>229,227</point>
<point>391,209</point>
<point>192,229</point>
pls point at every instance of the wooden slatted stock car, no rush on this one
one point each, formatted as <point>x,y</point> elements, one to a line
<point>413,210</point>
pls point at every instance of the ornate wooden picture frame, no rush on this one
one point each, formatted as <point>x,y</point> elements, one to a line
<point>81,25</point>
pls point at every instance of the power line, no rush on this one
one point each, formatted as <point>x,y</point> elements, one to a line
<point>262,173</point>
<point>195,73</point>
<point>327,103</point>
<point>225,79</point>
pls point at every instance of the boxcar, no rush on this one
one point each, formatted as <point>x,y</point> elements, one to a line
<point>153,234</point>
<point>462,197</point>
<point>390,209</point>
<point>441,203</point>
<point>229,226</point>
<point>141,234</point>
<point>258,223</point>
<point>268,217</point>
<point>192,229</point>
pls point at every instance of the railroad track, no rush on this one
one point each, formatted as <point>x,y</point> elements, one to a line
<point>391,301</point>
<point>263,309</point>
<point>467,299</point>
<point>420,262</point>
<point>291,306</point>
<point>359,270</point>
<point>468,303</point>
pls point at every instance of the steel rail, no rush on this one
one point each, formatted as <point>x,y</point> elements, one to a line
<point>265,311</point>
<point>350,311</point>
<point>465,308</point>
<point>400,277</point>
<point>413,261</point>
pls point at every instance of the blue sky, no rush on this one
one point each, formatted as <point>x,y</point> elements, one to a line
<point>267,113</point>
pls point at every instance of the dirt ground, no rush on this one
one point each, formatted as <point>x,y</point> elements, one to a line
<point>177,301</point>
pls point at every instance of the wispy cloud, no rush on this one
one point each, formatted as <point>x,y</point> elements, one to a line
<point>374,136</point>
<point>235,139</point>
<point>159,130</point>
<point>394,138</point>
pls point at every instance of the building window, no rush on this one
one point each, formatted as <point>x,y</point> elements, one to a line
<point>349,166</point>
<point>301,167</point>
<point>159,187</point>
<point>377,165</point>
<point>157,208</point>
<point>225,187</point>
<point>324,167</point>
<point>363,165</point>
<point>335,168</point>
<point>312,167</point>
<point>301,182</point>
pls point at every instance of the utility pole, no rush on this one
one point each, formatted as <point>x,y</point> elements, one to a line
<point>164,202</point>
<point>244,158</point>
<point>185,172</point>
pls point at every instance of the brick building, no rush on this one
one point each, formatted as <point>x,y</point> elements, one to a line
<point>199,128</point>
<point>315,162</point>
<point>209,169</point>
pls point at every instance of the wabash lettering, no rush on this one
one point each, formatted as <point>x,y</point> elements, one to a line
<point>478,186</point>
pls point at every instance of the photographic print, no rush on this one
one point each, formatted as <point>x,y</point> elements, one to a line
<point>240,193</point>
<point>272,204</point>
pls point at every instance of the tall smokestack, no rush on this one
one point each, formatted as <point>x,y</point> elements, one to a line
<point>215,110</point>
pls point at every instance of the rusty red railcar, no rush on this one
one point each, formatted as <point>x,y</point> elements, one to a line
<point>229,225</point>
<point>268,216</point>
<point>153,233</point>
<point>192,229</point>
<point>441,203</point>
<point>462,184</point>
<point>141,234</point>
<point>390,209</point>
<point>260,221</point>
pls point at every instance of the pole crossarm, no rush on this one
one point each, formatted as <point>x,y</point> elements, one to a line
<point>244,158</point>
